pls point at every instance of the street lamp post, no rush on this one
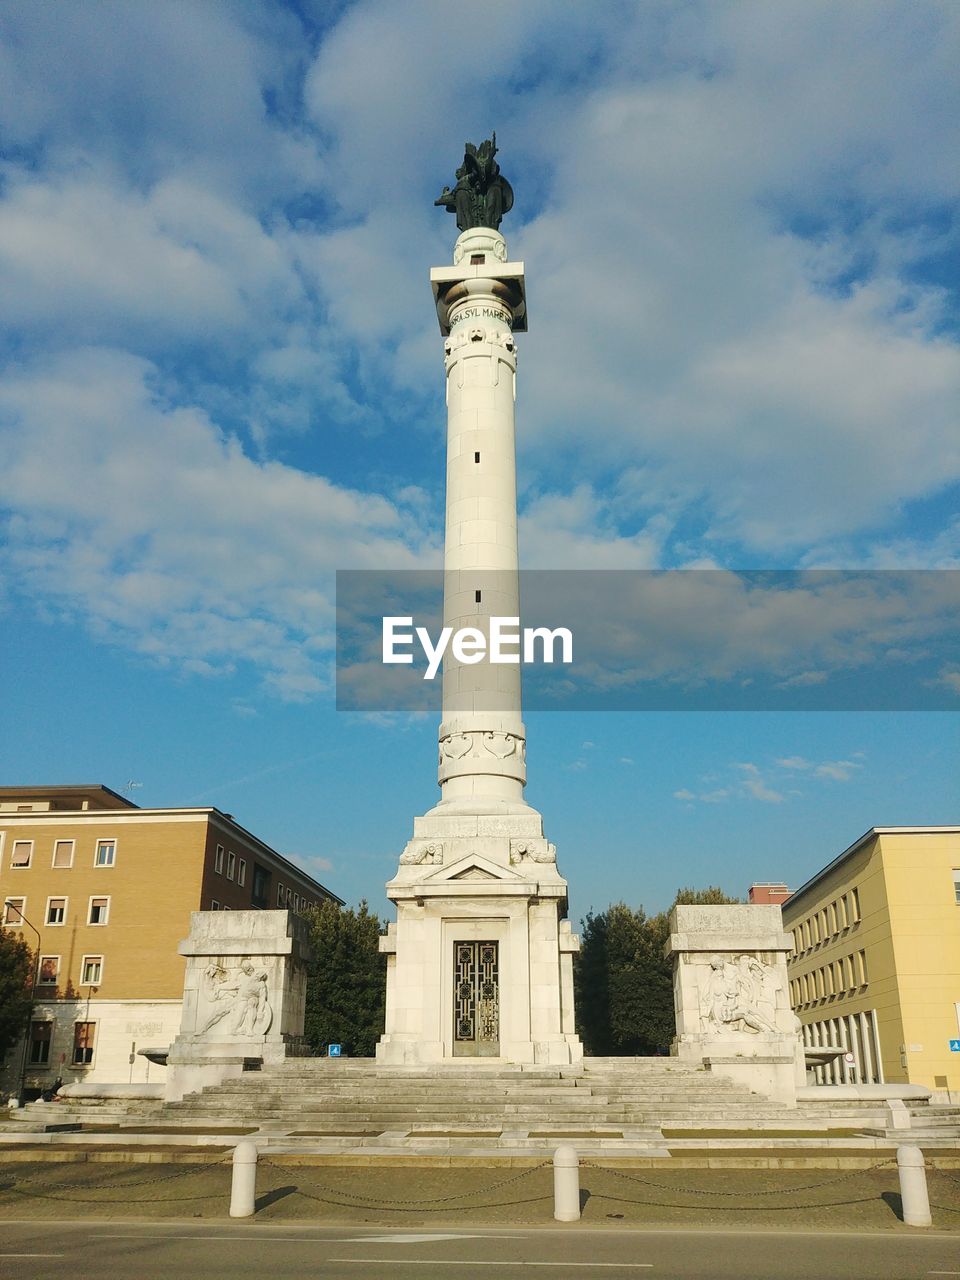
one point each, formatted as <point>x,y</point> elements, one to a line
<point>8,904</point>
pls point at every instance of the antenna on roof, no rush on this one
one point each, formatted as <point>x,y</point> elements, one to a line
<point>131,785</point>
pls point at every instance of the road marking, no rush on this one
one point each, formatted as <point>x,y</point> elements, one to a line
<point>472,1262</point>
<point>400,1238</point>
<point>31,1255</point>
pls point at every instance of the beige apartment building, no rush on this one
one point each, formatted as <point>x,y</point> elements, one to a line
<point>876,963</point>
<point>102,891</point>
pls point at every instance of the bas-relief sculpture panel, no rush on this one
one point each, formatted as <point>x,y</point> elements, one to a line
<point>237,1002</point>
<point>738,994</point>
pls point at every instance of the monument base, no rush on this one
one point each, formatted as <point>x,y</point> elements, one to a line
<point>480,960</point>
<point>731,997</point>
<point>244,997</point>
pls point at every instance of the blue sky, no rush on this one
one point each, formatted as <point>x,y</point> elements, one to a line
<point>222,381</point>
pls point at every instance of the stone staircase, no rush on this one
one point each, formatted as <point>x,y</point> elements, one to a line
<point>603,1099</point>
<point>359,1096</point>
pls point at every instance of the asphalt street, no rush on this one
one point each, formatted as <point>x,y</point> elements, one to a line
<point>227,1250</point>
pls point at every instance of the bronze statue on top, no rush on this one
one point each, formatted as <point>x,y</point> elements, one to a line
<point>482,194</point>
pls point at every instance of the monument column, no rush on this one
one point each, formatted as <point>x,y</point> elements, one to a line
<point>480,303</point>
<point>479,962</point>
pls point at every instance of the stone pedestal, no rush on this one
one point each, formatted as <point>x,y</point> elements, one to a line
<point>731,996</point>
<point>243,997</point>
<point>481,879</point>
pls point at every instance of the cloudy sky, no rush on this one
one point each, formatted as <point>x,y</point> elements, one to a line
<point>222,381</point>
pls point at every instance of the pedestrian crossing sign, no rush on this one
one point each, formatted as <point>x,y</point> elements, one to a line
<point>955,1046</point>
<point>335,1050</point>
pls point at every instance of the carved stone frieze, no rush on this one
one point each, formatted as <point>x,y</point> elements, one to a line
<point>417,854</point>
<point>532,850</point>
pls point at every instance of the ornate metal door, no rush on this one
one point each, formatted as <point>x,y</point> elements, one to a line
<point>476,999</point>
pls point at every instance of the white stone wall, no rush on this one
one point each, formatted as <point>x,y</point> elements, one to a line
<point>147,1024</point>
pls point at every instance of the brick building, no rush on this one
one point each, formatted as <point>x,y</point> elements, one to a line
<point>109,888</point>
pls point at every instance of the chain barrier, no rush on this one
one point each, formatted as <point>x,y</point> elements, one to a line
<point>366,1202</point>
<point>701,1191</point>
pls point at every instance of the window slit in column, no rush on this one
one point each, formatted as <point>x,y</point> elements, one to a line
<point>477,594</point>
<point>476,457</point>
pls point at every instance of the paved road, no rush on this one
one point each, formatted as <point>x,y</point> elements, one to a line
<point>226,1250</point>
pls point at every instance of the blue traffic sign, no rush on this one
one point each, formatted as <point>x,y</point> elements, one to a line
<point>336,1050</point>
<point>955,1046</point>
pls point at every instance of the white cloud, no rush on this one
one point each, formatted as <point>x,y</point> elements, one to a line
<point>803,679</point>
<point>793,763</point>
<point>837,770</point>
<point>146,522</point>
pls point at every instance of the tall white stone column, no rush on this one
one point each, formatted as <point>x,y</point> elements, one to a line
<point>479,878</point>
<point>480,302</point>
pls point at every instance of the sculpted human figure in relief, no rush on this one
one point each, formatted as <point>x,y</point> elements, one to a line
<point>243,997</point>
<point>734,996</point>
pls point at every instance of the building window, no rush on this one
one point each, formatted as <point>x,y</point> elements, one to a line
<point>56,910</point>
<point>956,885</point>
<point>99,910</point>
<point>296,902</point>
<point>218,860</point>
<point>63,853</point>
<point>84,1034</point>
<point>231,864</point>
<point>214,905</point>
<point>91,971</point>
<point>242,872</point>
<point>862,968</point>
<point>855,906</point>
<point>281,895</point>
<point>844,919</point>
<point>49,970</point>
<point>21,853</point>
<point>106,854</point>
<point>40,1033</point>
<point>260,890</point>
<point>13,909</point>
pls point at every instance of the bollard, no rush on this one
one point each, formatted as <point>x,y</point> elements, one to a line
<point>913,1187</point>
<point>566,1185</point>
<point>243,1187</point>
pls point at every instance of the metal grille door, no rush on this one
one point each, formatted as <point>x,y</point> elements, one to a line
<point>476,999</point>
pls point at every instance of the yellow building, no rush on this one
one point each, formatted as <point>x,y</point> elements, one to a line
<point>102,891</point>
<point>876,963</point>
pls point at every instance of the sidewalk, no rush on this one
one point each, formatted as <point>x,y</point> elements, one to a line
<point>383,1194</point>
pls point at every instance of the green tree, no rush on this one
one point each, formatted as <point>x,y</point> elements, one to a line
<point>16,994</point>
<point>346,984</point>
<point>624,985</point>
